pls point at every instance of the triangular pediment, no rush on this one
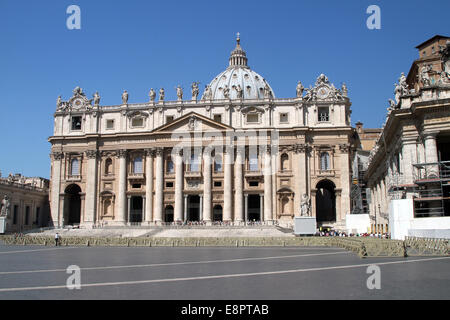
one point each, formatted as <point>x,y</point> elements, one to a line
<point>192,122</point>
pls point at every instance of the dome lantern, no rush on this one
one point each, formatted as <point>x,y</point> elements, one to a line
<point>238,56</point>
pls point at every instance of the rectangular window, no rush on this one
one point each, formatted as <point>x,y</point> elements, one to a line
<point>195,164</point>
<point>253,162</point>
<point>137,186</point>
<point>110,124</point>
<point>137,166</point>
<point>169,184</point>
<point>75,167</point>
<point>284,118</point>
<point>218,164</point>
<point>253,183</point>
<point>170,167</point>
<point>217,184</point>
<point>324,114</point>
<point>218,117</point>
<point>137,122</point>
<point>15,214</point>
<point>38,212</point>
<point>252,118</point>
<point>76,123</point>
<point>27,215</point>
<point>169,119</point>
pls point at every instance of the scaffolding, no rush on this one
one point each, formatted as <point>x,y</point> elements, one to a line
<point>432,187</point>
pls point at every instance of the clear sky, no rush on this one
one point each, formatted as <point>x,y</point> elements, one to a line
<point>137,45</point>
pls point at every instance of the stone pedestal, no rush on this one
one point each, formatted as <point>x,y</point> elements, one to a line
<point>305,226</point>
<point>2,225</point>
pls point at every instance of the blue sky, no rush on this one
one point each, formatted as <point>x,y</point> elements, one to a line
<point>136,45</point>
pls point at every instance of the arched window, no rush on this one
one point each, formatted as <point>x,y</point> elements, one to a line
<point>284,162</point>
<point>75,167</point>
<point>108,166</point>
<point>107,207</point>
<point>285,205</point>
<point>253,161</point>
<point>324,161</point>
<point>137,165</point>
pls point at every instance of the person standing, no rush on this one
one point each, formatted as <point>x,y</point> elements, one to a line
<point>56,239</point>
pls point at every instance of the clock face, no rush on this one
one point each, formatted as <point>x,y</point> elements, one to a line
<point>323,93</point>
<point>77,103</point>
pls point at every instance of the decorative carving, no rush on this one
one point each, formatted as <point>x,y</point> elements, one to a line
<point>57,155</point>
<point>122,153</point>
<point>150,152</point>
<point>423,76</point>
<point>91,154</point>
<point>192,123</point>
<point>108,153</point>
<point>344,148</point>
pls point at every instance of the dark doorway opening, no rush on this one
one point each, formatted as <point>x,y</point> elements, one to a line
<point>168,214</point>
<point>217,213</point>
<point>73,198</point>
<point>325,202</point>
<point>136,209</point>
<point>254,207</point>
<point>193,211</point>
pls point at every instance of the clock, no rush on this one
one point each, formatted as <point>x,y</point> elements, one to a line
<point>323,92</point>
<point>77,103</point>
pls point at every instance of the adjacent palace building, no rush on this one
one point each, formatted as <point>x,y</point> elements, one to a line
<point>235,154</point>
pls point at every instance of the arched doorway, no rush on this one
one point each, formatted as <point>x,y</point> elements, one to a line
<point>168,214</point>
<point>217,213</point>
<point>73,207</point>
<point>325,202</point>
<point>136,207</point>
<point>254,207</point>
<point>193,212</point>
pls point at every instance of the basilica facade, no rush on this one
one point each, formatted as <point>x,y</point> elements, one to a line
<point>236,154</point>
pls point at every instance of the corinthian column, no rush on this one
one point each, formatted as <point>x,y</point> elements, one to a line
<point>149,186</point>
<point>207,195</point>
<point>159,195</point>
<point>121,197</point>
<point>178,186</point>
<point>91,188</point>
<point>56,214</point>
<point>227,185</point>
<point>267,185</point>
<point>239,186</point>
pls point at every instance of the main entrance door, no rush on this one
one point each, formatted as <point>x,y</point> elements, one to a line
<point>254,207</point>
<point>193,209</point>
<point>325,202</point>
<point>136,209</point>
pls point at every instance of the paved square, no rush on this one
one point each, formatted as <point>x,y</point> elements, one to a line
<point>216,273</point>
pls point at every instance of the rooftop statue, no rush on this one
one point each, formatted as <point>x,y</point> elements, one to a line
<point>125,97</point>
<point>300,89</point>
<point>239,91</point>
<point>78,91</point>
<point>152,94</point>
<point>194,90</point>
<point>179,93</point>
<point>161,94</point>
<point>96,99</point>
<point>267,92</point>
<point>207,93</point>
<point>344,90</point>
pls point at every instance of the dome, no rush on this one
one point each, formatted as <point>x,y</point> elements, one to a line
<point>238,77</point>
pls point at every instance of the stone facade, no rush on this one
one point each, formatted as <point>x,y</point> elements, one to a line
<point>26,205</point>
<point>411,157</point>
<point>236,155</point>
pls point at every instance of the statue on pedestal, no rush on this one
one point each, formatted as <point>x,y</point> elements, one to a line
<point>344,90</point>
<point>96,99</point>
<point>179,93</point>
<point>125,97</point>
<point>5,207</point>
<point>152,95</point>
<point>226,92</point>
<point>207,93</point>
<point>305,206</point>
<point>161,94</point>
<point>194,90</point>
<point>299,90</point>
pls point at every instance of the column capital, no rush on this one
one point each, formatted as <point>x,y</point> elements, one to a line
<point>430,134</point>
<point>150,152</point>
<point>57,155</point>
<point>91,154</point>
<point>159,152</point>
<point>122,153</point>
